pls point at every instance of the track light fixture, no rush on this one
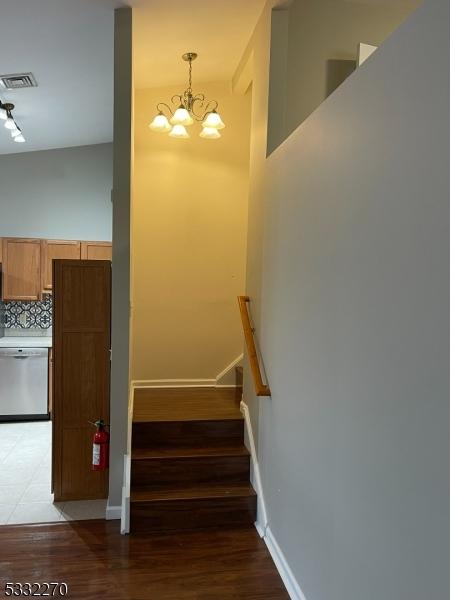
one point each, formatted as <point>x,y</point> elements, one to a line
<point>10,123</point>
<point>187,108</point>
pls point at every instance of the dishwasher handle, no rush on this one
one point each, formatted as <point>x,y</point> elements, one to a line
<point>23,353</point>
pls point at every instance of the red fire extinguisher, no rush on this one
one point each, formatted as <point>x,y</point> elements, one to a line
<point>100,447</point>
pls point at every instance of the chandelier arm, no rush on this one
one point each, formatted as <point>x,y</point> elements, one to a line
<point>199,99</point>
<point>214,106</point>
<point>179,97</point>
<point>160,105</point>
<point>211,106</point>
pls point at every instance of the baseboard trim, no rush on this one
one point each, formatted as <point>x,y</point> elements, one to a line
<point>178,383</point>
<point>259,529</point>
<point>286,574</point>
<point>227,377</point>
<point>262,513</point>
<point>125,508</point>
<point>173,383</point>
<point>261,525</point>
<point>113,512</point>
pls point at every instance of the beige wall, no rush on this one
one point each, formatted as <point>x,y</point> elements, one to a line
<point>189,223</point>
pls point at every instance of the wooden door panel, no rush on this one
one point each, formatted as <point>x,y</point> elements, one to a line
<point>84,385</point>
<point>56,249</point>
<point>86,310</point>
<point>79,482</point>
<point>81,371</point>
<point>21,269</point>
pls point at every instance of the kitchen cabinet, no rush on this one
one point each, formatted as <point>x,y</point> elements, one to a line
<point>96,251</point>
<point>27,263</point>
<point>54,249</point>
<point>21,262</point>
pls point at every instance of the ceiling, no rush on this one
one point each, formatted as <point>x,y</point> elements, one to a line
<point>68,46</point>
<point>218,30</point>
<point>412,4</point>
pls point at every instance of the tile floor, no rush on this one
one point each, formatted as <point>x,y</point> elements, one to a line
<point>25,476</point>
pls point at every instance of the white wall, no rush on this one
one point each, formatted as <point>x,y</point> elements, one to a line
<point>120,321</point>
<point>323,38</point>
<point>348,274</point>
<point>64,193</point>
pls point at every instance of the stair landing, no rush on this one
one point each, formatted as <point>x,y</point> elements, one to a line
<point>186,404</point>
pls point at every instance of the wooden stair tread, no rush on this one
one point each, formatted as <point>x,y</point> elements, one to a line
<point>185,404</point>
<point>201,492</point>
<point>161,452</point>
<point>190,468</point>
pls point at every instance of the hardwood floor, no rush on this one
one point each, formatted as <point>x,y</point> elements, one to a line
<point>97,562</point>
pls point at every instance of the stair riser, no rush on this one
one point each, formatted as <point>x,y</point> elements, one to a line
<point>188,433</point>
<point>192,514</point>
<point>157,473</point>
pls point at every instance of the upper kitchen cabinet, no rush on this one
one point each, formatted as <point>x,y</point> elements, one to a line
<point>54,249</point>
<point>96,251</point>
<point>21,269</point>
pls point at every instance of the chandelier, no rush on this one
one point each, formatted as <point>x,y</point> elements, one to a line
<point>10,123</point>
<point>188,108</point>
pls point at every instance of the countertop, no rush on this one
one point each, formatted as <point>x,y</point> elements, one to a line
<point>26,342</point>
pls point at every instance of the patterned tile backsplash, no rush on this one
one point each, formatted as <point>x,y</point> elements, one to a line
<point>2,317</point>
<point>28,315</point>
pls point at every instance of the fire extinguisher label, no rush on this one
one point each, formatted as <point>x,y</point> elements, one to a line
<point>96,455</point>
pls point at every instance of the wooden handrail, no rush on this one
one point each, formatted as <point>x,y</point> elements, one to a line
<point>261,388</point>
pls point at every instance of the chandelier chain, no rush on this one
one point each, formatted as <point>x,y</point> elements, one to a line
<point>190,75</point>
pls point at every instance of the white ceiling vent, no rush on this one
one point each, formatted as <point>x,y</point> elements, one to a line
<point>18,81</point>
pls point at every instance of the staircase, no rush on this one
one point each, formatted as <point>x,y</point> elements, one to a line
<point>189,468</point>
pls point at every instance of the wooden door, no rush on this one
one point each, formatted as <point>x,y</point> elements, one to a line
<point>96,251</point>
<point>54,249</point>
<point>21,269</point>
<point>81,370</point>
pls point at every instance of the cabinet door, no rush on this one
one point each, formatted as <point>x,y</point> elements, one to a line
<point>21,269</point>
<point>96,251</point>
<point>52,249</point>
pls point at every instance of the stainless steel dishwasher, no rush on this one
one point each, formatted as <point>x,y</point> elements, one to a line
<point>23,384</point>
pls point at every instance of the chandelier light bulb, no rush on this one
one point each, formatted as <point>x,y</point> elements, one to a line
<point>160,123</point>
<point>8,121</point>
<point>179,131</point>
<point>214,121</point>
<point>181,117</point>
<point>210,133</point>
<point>10,124</point>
